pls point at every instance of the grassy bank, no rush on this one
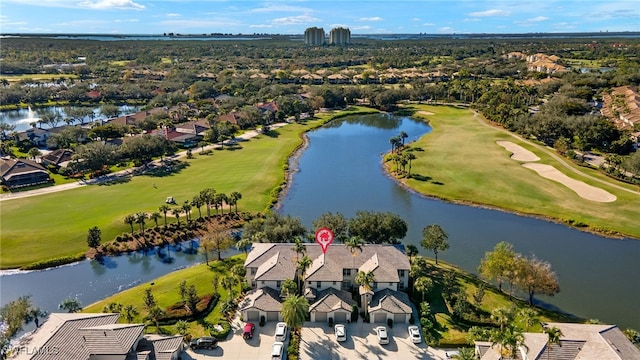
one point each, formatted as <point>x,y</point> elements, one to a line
<point>166,293</point>
<point>460,161</point>
<point>453,333</point>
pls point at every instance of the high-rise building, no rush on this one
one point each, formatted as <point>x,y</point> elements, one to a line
<point>340,36</point>
<point>314,36</point>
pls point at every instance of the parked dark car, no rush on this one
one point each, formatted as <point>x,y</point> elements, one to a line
<point>204,343</point>
<point>249,328</point>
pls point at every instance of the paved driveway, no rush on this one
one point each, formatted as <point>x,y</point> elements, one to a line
<point>236,348</point>
<point>318,342</point>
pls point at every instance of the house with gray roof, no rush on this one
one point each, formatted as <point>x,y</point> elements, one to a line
<point>80,336</point>
<point>578,342</point>
<point>16,173</point>
<point>269,265</point>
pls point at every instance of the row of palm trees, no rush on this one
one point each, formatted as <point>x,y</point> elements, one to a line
<point>401,158</point>
<point>208,197</point>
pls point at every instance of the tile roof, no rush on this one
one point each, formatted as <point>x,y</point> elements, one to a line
<point>58,156</point>
<point>265,299</point>
<point>384,260</point>
<point>331,300</point>
<point>84,336</point>
<point>391,301</point>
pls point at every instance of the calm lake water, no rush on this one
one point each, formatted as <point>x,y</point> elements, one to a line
<point>22,118</point>
<point>340,171</point>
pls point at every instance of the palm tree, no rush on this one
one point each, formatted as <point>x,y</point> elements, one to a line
<point>365,279</point>
<point>403,135</point>
<point>465,354</point>
<point>423,285</point>
<point>197,202</point>
<point>503,316</point>
<point>354,243</point>
<point>140,219</point>
<point>554,334</point>
<point>294,311</point>
<point>130,312</point>
<point>434,238</point>
<point>288,287</point>
<point>298,247</point>
<point>235,196</point>
<point>302,265</point>
<point>228,283</point>
<point>130,219</point>
<point>244,244</point>
<point>409,156</point>
<point>529,316</point>
<point>164,209</point>
<point>176,213</point>
<point>155,313</point>
<point>155,216</point>
<point>187,209</point>
<point>34,314</point>
<point>181,327</point>
<point>412,251</point>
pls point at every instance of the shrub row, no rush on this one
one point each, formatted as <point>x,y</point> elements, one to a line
<point>44,264</point>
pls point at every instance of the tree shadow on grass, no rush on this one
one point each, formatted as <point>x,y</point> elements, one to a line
<point>163,171</point>
<point>115,180</point>
<point>420,177</point>
<point>272,133</point>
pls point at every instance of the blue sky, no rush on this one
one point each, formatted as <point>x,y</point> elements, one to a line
<point>292,17</point>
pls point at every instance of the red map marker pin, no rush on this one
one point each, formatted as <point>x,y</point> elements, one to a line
<point>324,237</point>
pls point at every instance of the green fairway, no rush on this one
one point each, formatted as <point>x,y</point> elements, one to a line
<point>461,162</point>
<point>55,225</point>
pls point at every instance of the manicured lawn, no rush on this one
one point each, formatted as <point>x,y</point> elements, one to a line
<point>166,293</point>
<point>461,162</point>
<point>14,78</point>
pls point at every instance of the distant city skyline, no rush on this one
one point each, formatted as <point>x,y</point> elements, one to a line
<point>294,16</point>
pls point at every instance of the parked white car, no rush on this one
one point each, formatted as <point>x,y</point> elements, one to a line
<point>341,332</point>
<point>414,334</point>
<point>383,338</point>
<point>450,354</point>
<point>281,331</point>
<point>277,350</point>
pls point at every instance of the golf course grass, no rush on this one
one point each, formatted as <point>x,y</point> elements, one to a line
<point>460,161</point>
<point>55,225</point>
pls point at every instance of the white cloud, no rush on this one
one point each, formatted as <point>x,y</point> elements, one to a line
<point>429,24</point>
<point>173,15</point>
<point>492,12</point>
<point>471,19</point>
<point>375,18</point>
<point>295,20</point>
<point>280,8</point>
<point>365,27</point>
<point>188,24</point>
<point>111,4</point>
<point>260,26</point>
<point>538,18</point>
<point>446,30</point>
<point>415,19</point>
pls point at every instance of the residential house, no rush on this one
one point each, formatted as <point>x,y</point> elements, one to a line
<point>578,341</point>
<point>16,173</point>
<point>330,280</point>
<point>38,137</point>
<point>57,158</point>
<point>133,119</point>
<point>85,336</point>
<point>622,107</point>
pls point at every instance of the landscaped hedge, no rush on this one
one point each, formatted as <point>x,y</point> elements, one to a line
<point>44,264</point>
<point>221,334</point>
<point>177,311</point>
<point>293,351</point>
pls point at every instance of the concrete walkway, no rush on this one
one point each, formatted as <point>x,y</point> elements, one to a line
<point>123,173</point>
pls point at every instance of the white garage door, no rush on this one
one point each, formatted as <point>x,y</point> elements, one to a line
<point>340,317</point>
<point>399,318</point>
<point>321,317</point>
<point>253,316</point>
<point>272,316</point>
<point>380,317</point>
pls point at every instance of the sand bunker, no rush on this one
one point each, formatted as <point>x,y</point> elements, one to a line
<point>422,112</point>
<point>583,190</point>
<point>519,153</point>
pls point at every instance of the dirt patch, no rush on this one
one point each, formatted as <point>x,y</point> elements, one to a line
<point>583,190</point>
<point>518,152</point>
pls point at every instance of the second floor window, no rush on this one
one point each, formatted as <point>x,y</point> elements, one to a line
<point>401,273</point>
<point>278,283</point>
<point>318,284</point>
<point>346,272</point>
